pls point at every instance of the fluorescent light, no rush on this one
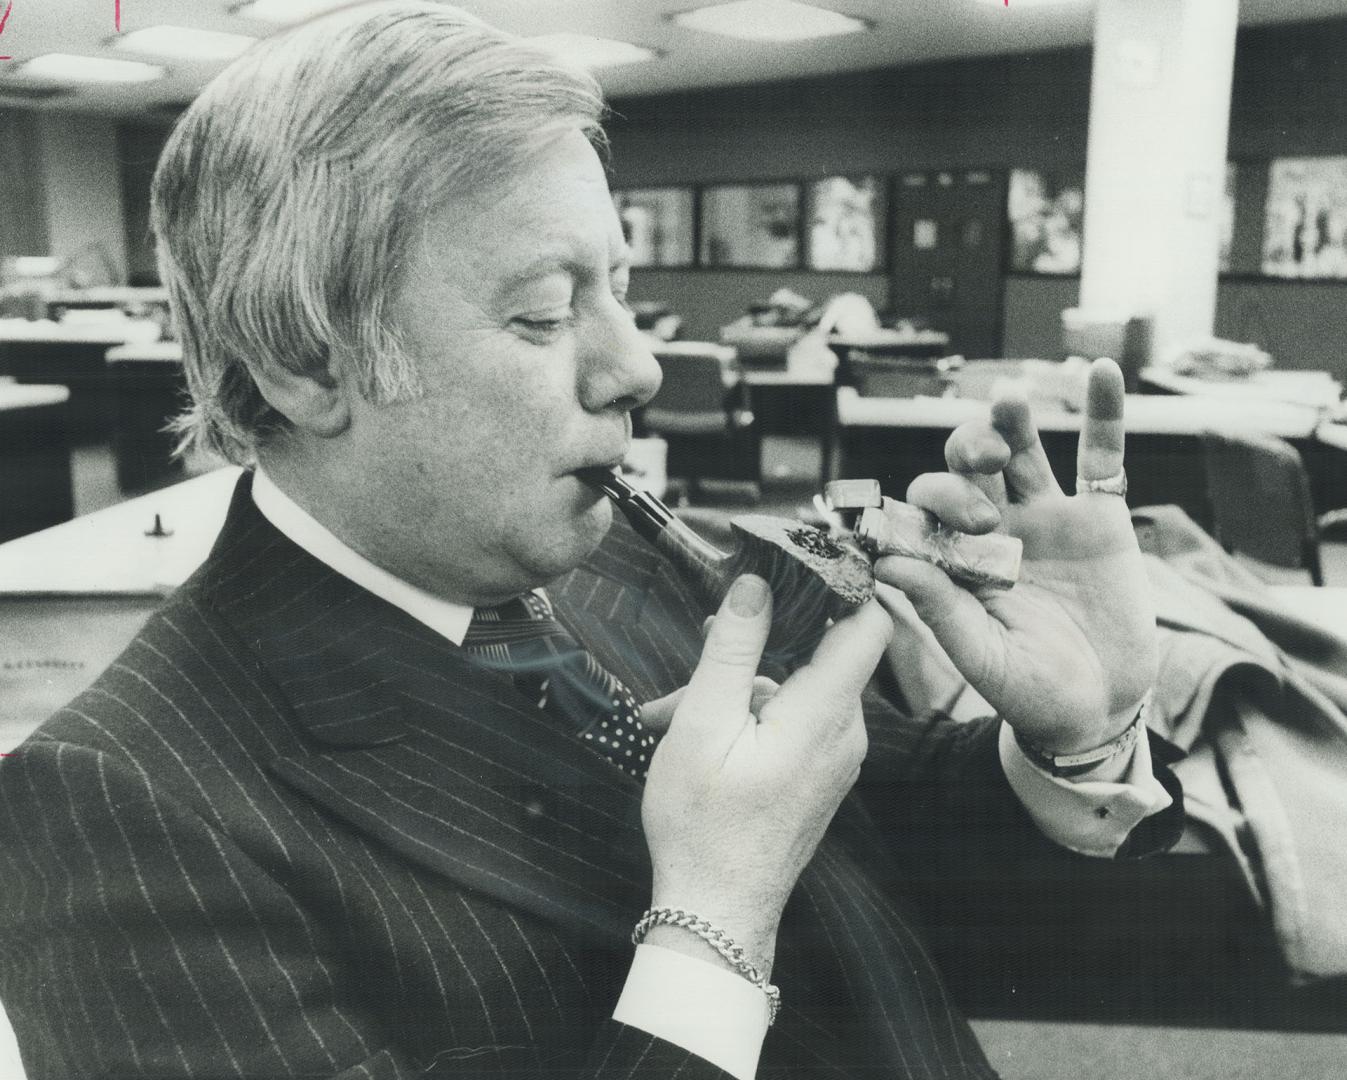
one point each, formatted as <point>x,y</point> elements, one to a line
<point>67,67</point>
<point>184,43</point>
<point>770,20</point>
<point>285,11</point>
<point>593,52</point>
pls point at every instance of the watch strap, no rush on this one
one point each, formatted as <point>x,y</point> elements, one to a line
<point>1079,762</point>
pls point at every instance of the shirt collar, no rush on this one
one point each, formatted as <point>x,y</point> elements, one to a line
<point>446,618</point>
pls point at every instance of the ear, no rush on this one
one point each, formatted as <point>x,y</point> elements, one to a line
<point>315,404</point>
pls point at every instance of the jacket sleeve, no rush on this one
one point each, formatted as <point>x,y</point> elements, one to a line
<point>138,940</point>
<point>937,788</point>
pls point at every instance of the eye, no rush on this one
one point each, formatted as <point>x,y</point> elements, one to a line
<point>545,328</point>
<point>546,324</point>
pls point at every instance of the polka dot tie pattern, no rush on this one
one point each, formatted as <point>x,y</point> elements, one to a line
<point>523,638</point>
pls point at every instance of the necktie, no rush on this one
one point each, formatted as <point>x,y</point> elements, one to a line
<point>523,638</point>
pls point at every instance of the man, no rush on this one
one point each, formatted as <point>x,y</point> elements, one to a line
<point>305,826</point>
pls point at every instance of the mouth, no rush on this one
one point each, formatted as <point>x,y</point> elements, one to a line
<point>605,479</point>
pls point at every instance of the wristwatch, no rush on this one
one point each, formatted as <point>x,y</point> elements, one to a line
<point>1080,762</point>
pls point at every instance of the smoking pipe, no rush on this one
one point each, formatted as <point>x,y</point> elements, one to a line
<point>814,577</point>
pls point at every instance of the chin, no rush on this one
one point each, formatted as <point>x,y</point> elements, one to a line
<point>574,544</point>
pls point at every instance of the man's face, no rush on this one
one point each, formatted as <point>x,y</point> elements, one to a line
<point>512,307</point>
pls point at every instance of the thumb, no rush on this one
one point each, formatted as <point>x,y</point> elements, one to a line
<point>955,617</point>
<point>717,699</point>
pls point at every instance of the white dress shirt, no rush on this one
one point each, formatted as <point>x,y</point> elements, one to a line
<point>720,1016</point>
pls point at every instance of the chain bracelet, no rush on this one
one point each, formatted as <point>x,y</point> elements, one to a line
<point>732,952</point>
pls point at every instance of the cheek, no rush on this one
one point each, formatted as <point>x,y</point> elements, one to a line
<point>500,415</point>
<point>532,414</point>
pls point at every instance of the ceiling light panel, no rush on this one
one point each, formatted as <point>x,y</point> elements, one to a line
<point>69,68</point>
<point>770,20</point>
<point>593,52</point>
<point>184,43</point>
<point>286,11</point>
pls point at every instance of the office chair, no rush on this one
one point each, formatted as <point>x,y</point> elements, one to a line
<point>703,411</point>
<point>1260,500</point>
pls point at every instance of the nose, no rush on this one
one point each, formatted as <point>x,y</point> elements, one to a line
<point>617,370</point>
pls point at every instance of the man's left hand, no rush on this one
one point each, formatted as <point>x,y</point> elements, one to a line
<point>1067,655</point>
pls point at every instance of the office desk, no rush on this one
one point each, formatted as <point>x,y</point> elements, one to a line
<point>108,552</point>
<point>108,297</point>
<point>891,361</point>
<point>71,597</point>
<point>35,483</point>
<point>73,356</point>
<point>1316,389</point>
<point>148,390</point>
<point>895,439</point>
<point>1146,414</point>
<point>798,400</point>
<point>889,345</point>
<point>1310,389</point>
<point>790,377</point>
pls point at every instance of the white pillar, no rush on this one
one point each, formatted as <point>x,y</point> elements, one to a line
<point>1155,172</point>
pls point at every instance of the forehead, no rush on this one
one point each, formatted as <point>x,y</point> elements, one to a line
<point>555,206</point>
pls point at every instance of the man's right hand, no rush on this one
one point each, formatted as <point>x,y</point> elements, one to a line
<point>743,786</point>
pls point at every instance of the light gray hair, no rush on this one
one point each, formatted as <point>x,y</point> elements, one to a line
<point>290,193</point>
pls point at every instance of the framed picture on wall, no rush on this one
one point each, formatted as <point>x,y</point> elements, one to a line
<point>845,230</point>
<point>1047,217</point>
<point>1305,218</point>
<point>751,226</point>
<point>657,223</point>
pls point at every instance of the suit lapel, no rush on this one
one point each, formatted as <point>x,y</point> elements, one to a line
<point>409,742</point>
<point>632,612</point>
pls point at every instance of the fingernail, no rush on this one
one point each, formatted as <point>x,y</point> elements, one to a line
<point>985,515</point>
<point>748,596</point>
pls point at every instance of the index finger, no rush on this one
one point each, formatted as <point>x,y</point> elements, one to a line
<point>1028,473</point>
<point>1100,453</point>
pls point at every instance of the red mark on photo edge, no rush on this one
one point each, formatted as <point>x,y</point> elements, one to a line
<point>5,18</point>
<point>117,14</point>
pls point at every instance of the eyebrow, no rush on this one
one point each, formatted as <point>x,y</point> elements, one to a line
<point>554,262</point>
<point>560,262</point>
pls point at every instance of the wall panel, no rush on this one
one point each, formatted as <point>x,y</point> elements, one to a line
<point>23,213</point>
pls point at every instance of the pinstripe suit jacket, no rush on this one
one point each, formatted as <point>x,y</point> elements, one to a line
<point>291,833</point>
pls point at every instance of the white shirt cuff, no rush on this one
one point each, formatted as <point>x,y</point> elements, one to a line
<point>698,1005</point>
<point>1092,813</point>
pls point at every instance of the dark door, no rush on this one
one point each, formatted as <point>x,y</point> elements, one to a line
<point>949,230</point>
